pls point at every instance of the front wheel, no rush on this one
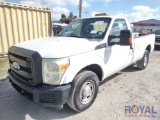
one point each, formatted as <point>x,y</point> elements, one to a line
<point>83,91</point>
<point>142,64</point>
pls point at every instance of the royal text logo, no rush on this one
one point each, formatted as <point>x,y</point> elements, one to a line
<point>140,111</point>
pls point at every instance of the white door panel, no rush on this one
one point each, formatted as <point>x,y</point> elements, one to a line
<point>117,58</point>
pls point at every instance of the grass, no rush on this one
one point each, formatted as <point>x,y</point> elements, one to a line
<point>4,66</point>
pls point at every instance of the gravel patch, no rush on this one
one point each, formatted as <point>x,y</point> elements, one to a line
<point>4,66</point>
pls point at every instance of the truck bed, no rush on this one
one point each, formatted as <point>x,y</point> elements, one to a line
<point>140,44</point>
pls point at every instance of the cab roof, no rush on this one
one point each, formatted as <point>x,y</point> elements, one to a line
<point>112,17</point>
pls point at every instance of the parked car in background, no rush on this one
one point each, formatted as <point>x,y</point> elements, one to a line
<point>157,35</point>
<point>57,28</point>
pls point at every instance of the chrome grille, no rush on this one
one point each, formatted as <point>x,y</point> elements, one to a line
<point>25,73</point>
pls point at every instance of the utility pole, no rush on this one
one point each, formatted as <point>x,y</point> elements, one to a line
<point>86,13</point>
<point>80,8</point>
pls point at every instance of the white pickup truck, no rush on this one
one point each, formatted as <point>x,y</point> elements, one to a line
<point>68,68</point>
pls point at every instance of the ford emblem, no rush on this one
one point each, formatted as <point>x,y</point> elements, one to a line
<point>16,66</point>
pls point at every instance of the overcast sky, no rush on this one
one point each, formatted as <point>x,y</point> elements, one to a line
<point>134,10</point>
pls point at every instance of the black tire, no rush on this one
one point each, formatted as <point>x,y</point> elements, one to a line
<point>142,64</point>
<point>82,81</point>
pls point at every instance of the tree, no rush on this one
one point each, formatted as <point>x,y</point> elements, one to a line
<point>70,16</point>
<point>75,17</point>
<point>66,20</point>
<point>63,16</point>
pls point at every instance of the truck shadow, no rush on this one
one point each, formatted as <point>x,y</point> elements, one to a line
<point>157,48</point>
<point>131,69</point>
<point>128,69</point>
<point>16,107</point>
<point>109,78</point>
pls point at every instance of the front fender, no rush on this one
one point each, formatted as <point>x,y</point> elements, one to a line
<point>79,62</point>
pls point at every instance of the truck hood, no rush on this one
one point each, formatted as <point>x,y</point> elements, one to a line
<point>58,47</point>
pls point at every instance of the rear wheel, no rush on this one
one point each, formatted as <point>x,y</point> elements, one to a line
<point>142,64</point>
<point>83,91</point>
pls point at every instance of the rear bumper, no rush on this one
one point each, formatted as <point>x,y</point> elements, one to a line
<point>46,95</point>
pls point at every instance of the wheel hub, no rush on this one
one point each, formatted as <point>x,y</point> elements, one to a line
<point>87,92</point>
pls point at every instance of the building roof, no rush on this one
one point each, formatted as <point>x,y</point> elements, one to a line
<point>150,22</point>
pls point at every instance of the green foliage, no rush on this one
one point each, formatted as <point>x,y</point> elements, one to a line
<point>70,16</point>
<point>63,16</point>
<point>4,66</point>
<point>68,19</point>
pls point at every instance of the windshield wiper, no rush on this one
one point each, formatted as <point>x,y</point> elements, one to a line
<point>74,36</point>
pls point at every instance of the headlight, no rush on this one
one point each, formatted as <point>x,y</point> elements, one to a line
<point>53,70</point>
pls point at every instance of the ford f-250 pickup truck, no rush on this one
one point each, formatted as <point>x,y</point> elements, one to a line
<point>68,68</point>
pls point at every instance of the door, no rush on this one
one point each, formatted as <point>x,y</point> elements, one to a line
<point>117,57</point>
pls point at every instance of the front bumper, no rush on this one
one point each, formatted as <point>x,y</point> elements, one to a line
<point>46,95</point>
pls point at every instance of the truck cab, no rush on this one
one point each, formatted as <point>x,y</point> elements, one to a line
<point>68,68</point>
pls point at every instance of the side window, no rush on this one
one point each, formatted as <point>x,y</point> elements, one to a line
<point>114,37</point>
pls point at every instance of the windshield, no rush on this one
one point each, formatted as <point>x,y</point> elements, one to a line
<point>93,28</point>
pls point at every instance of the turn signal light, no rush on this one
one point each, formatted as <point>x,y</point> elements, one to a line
<point>64,66</point>
<point>130,40</point>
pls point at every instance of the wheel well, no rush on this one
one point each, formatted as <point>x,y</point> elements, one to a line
<point>148,48</point>
<point>96,69</point>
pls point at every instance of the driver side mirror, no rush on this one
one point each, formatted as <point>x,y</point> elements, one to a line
<point>125,37</point>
